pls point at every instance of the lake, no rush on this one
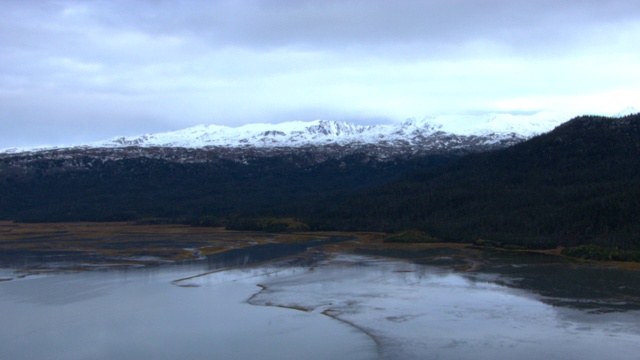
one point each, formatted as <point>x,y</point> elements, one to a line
<point>330,306</point>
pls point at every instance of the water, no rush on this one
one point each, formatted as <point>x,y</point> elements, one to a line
<point>140,314</point>
<point>422,312</point>
<point>347,306</point>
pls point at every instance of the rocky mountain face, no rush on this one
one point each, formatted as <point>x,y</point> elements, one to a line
<point>412,134</point>
<point>312,142</point>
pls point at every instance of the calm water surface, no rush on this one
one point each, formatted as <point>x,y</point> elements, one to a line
<point>346,307</point>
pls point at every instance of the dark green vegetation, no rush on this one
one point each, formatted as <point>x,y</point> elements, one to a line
<point>602,253</point>
<point>577,185</point>
<point>411,236</point>
<point>157,191</point>
<point>277,225</point>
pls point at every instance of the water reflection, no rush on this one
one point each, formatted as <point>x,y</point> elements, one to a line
<point>138,314</point>
<point>420,312</point>
<point>25,261</point>
<point>513,307</point>
<point>563,283</point>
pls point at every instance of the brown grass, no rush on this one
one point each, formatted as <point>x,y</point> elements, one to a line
<point>121,242</point>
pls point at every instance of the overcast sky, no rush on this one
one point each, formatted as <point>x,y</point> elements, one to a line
<point>78,71</point>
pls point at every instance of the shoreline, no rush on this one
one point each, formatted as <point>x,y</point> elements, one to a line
<point>81,246</point>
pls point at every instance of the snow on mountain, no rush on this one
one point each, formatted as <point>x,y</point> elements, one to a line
<point>435,132</point>
<point>480,125</point>
<point>260,135</point>
<point>322,132</point>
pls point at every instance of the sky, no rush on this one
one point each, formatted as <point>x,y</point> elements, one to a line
<point>79,71</point>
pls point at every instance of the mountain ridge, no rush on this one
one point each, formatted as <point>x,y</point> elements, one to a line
<point>430,133</point>
<point>321,132</point>
<point>578,184</point>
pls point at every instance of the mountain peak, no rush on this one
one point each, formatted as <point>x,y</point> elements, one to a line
<point>426,134</point>
<point>329,131</point>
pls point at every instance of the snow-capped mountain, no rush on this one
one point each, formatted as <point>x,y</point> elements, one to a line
<point>435,133</point>
<point>323,138</point>
<point>493,128</point>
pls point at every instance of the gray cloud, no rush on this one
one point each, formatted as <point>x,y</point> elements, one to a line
<point>367,23</point>
<point>86,70</point>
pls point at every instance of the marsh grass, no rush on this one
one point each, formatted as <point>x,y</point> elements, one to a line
<point>120,242</point>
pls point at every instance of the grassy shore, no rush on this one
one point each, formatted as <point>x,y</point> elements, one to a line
<point>124,244</point>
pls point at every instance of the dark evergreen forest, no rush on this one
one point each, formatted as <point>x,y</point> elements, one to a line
<point>577,185</point>
<point>157,190</point>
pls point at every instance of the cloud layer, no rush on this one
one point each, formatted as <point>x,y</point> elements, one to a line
<point>76,71</point>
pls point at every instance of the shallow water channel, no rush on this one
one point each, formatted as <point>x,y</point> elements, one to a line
<point>325,307</point>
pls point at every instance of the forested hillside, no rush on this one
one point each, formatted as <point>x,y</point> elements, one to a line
<point>101,189</point>
<point>577,184</point>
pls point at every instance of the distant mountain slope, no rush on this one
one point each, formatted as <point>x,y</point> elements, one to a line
<point>220,171</point>
<point>113,186</point>
<point>493,127</point>
<point>579,183</point>
<point>432,134</point>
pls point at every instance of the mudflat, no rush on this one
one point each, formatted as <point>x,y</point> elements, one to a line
<point>87,245</point>
<point>92,244</point>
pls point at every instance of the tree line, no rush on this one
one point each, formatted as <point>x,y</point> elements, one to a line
<point>577,185</point>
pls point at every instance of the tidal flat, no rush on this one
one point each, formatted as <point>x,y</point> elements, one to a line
<point>105,291</point>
